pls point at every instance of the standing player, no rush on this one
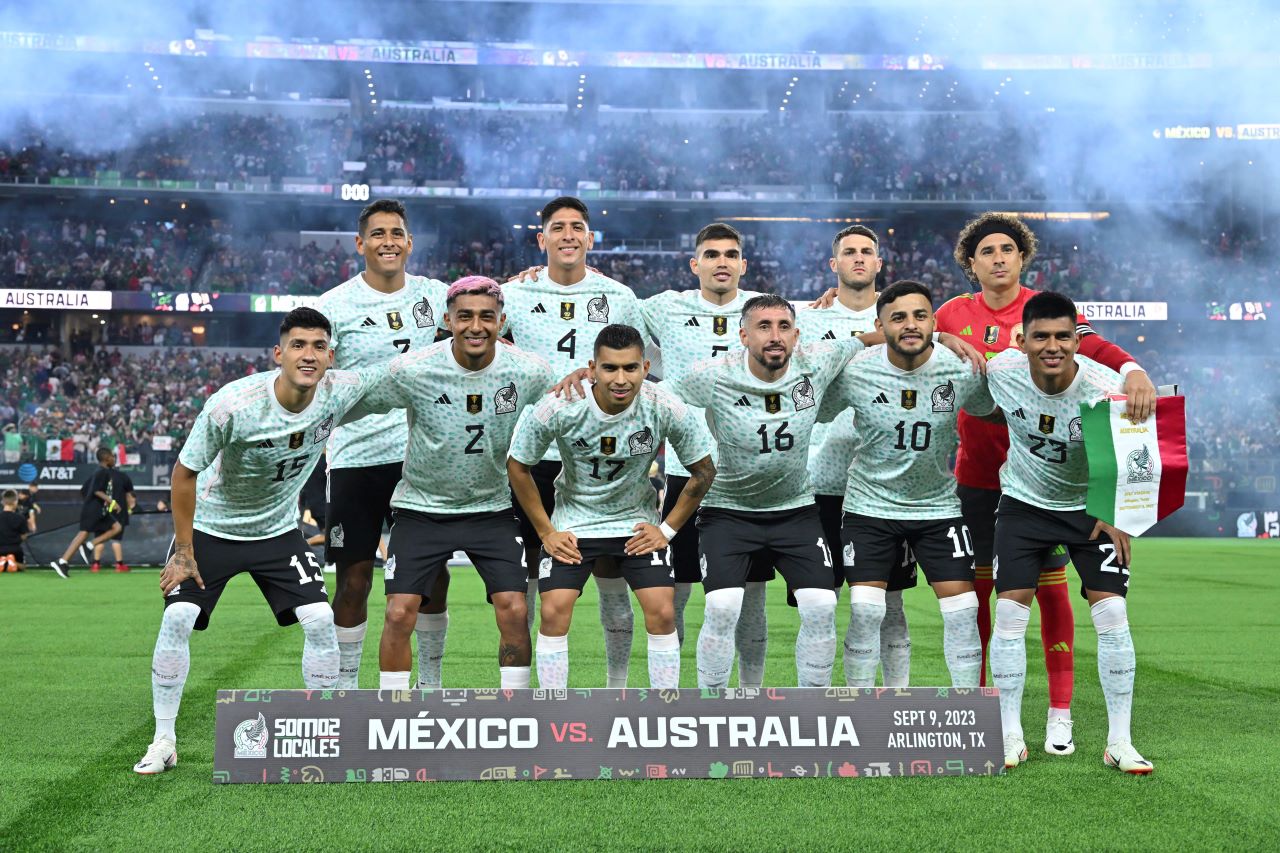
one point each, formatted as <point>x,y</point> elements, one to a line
<point>249,452</point>
<point>122,488</point>
<point>377,315</point>
<point>605,505</point>
<point>13,532</point>
<point>905,397</point>
<point>855,259</point>
<point>993,250</point>
<point>463,397</point>
<point>557,315</point>
<point>1044,480</point>
<point>98,513</point>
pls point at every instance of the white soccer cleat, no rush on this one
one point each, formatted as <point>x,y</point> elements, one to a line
<point>1057,737</point>
<point>1015,751</point>
<point>161,756</point>
<point>1122,756</point>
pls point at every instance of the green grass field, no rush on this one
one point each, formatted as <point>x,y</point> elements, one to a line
<point>77,714</point>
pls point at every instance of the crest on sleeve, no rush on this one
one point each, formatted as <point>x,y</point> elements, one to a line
<point>296,438</point>
<point>1046,424</point>
<point>422,314</point>
<point>773,403</point>
<point>598,309</point>
<point>608,445</point>
<point>641,443</point>
<point>504,402</point>
<point>720,325</point>
<point>395,321</point>
<point>322,431</point>
<point>1074,432</point>
<point>566,310</point>
<point>802,394</point>
<point>908,398</point>
<point>944,398</point>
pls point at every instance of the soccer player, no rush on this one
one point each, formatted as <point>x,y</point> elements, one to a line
<point>249,452</point>
<point>558,315</point>
<point>993,250</point>
<point>13,532</point>
<point>855,259</point>
<point>463,397</point>
<point>605,504</point>
<point>98,513</point>
<point>380,313</point>
<point>1039,388</point>
<point>905,396</point>
<point>122,487</point>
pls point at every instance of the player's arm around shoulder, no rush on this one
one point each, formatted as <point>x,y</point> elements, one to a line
<point>698,386</point>
<point>841,393</point>
<point>971,391</point>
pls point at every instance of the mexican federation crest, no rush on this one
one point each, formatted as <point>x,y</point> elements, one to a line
<point>944,398</point>
<point>640,443</point>
<point>802,394</point>
<point>250,738</point>
<point>322,431</point>
<point>598,309</point>
<point>422,314</point>
<point>504,402</point>
<point>1074,432</point>
<point>1141,468</point>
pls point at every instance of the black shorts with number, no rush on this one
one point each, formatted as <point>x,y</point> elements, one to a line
<point>872,548</point>
<point>684,548</point>
<point>284,567</point>
<point>831,509</point>
<point>790,539</point>
<point>544,476</point>
<point>359,507</point>
<point>640,572</point>
<point>1024,532</point>
<point>978,506</point>
<point>421,544</point>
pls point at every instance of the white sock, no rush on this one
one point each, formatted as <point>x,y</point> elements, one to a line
<point>664,661</point>
<point>552,657</point>
<point>320,655</point>
<point>431,630</point>
<point>961,646</point>
<point>683,591</point>
<point>816,641</point>
<point>862,638</point>
<point>170,663</point>
<point>531,601</point>
<point>895,642</point>
<point>350,649</point>
<point>618,621</point>
<point>715,640</point>
<point>1116,665</point>
<point>393,680</point>
<point>513,676</point>
<point>1009,661</point>
<point>751,636</point>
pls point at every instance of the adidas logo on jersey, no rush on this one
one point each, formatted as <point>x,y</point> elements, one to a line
<point>581,444</point>
<point>829,336</point>
<point>967,330</point>
<point>743,401</point>
<point>368,321</point>
<point>1018,413</point>
<point>538,309</point>
<point>265,443</point>
<point>881,398</point>
<point>444,398</point>
<point>693,321</point>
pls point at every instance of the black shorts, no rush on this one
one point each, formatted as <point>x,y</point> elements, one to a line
<point>284,567</point>
<point>789,539</point>
<point>421,544</point>
<point>544,476</point>
<point>94,520</point>
<point>359,507</point>
<point>978,506</point>
<point>640,572</point>
<point>684,548</point>
<point>831,509</point>
<point>1024,532</point>
<point>872,548</point>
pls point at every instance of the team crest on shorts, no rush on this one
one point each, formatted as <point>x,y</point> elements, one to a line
<point>802,394</point>
<point>504,402</point>
<point>702,565</point>
<point>773,403</point>
<point>296,439</point>
<point>250,738</point>
<point>566,310</point>
<point>395,321</point>
<point>1046,424</point>
<point>908,398</point>
<point>944,398</point>
<point>991,335</point>
<point>720,325</point>
<point>475,403</point>
<point>544,568</point>
<point>598,309</point>
<point>1141,468</point>
<point>422,314</point>
<point>608,445</point>
<point>848,554</point>
<point>389,569</point>
<point>322,432</point>
<point>641,443</point>
<point>1074,432</point>
<point>336,536</point>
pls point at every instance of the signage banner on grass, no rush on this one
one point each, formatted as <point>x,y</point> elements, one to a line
<point>436,735</point>
<point>1137,472</point>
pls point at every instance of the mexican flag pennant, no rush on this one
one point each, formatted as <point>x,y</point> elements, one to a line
<point>1137,472</point>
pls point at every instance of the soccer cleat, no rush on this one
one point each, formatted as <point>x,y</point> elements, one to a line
<point>84,553</point>
<point>1015,751</point>
<point>95,567</point>
<point>121,567</point>
<point>162,755</point>
<point>1057,737</point>
<point>61,568</point>
<point>1122,756</point>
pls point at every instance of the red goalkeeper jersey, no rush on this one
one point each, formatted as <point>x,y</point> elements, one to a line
<point>983,445</point>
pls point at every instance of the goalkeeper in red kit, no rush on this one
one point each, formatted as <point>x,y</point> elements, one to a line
<point>993,250</point>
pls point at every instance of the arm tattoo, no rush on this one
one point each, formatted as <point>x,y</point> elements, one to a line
<point>701,475</point>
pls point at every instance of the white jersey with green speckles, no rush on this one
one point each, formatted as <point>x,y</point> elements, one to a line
<point>560,322</point>
<point>688,328</point>
<point>762,429</point>
<point>906,432</point>
<point>832,447</point>
<point>604,488</point>
<point>371,328</point>
<point>460,425</point>
<point>254,455</point>
<point>1046,464</point>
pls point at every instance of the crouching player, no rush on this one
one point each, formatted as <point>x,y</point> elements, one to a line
<point>605,505</point>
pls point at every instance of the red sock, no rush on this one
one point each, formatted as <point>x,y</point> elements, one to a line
<point>984,586</point>
<point>1058,633</point>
